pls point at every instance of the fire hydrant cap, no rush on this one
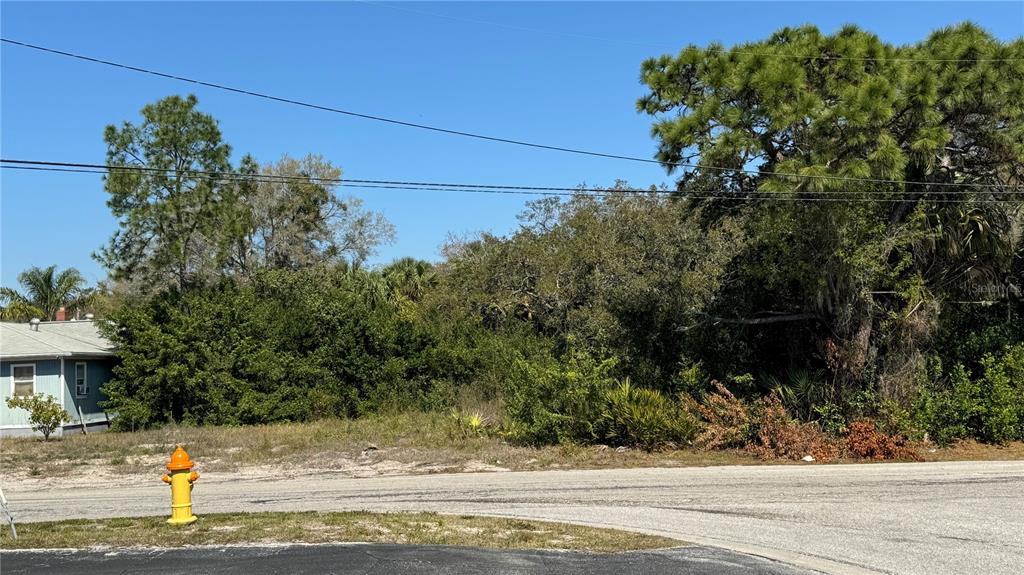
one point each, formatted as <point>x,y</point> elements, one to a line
<point>179,460</point>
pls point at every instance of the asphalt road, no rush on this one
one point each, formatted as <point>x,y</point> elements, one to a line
<point>390,559</point>
<point>926,518</point>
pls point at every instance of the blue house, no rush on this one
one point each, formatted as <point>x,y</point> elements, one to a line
<point>69,360</point>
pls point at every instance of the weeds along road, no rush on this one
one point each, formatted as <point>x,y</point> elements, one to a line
<point>927,518</point>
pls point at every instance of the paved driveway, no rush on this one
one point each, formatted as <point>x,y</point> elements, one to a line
<point>919,518</point>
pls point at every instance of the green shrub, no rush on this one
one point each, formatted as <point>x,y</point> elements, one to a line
<point>831,419</point>
<point>470,424</point>
<point>945,410</point>
<point>45,415</point>
<point>744,384</point>
<point>644,418</point>
<point>802,391</point>
<point>692,380</point>
<point>1002,418</point>
<point>894,418</point>
<point>552,401</point>
<point>989,407</point>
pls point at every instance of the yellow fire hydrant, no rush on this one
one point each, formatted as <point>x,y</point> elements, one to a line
<point>181,479</point>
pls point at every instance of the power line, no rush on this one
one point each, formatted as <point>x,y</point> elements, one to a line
<point>467,188</point>
<point>722,50</point>
<point>303,178</point>
<point>484,136</point>
<point>229,177</point>
<point>268,177</point>
<point>426,187</point>
<point>103,168</point>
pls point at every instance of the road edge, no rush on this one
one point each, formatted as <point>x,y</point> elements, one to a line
<point>791,558</point>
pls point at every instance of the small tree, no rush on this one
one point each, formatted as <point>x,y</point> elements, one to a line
<point>45,414</point>
<point>170,211</point>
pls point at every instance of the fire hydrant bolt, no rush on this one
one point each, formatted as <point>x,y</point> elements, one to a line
<point>181,478</point>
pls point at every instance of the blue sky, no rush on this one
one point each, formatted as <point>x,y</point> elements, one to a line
<point>559,73</point>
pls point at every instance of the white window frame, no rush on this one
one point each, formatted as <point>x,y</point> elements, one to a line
<point>17,365</point>
<point>85,379</point>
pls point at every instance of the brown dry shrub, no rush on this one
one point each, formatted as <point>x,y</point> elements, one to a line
<point>762,427</point>
<point>778,436</point>
<point>864,440</point>
<point>726,419</point>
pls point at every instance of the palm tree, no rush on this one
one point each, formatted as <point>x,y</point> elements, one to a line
<point>46,291</point>
<point>410,277</point>
<point>971,242</point>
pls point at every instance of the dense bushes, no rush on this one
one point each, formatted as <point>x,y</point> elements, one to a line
<point>765,427</point>
<point>762,426</point>
<point>727,419</point>
<point>551,401</point>
<point>989,406</point>
<point>325,342</point>
<point>864,440</point>
<point>579,402</point>
<point>778,436</point>
<point>285,346</point>
<point>644,418</point>
<point>300,345</point>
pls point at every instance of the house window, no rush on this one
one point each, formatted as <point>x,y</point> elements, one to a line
<point>81,381</point>
<point>23,380</point>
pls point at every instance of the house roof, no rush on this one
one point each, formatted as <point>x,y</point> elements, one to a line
<point>52,339</point>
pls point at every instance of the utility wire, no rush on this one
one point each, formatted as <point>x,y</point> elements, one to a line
<point>485,188</point>
<point>477,135</point>
<point>303,178</point>
<point>285,178</point>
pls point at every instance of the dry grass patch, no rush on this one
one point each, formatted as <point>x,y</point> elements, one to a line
<point>410,443</point>
<point>969,450</point>
<point>313,527</point>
